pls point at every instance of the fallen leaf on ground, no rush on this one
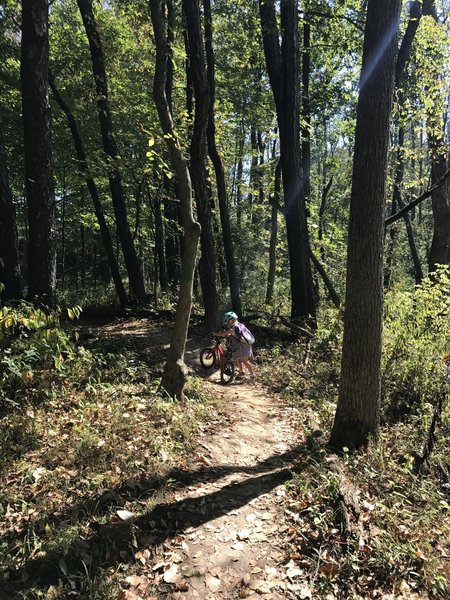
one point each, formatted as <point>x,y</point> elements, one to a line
<point>294,572</point>
<point>212,583</point>
<point>238,546</point>
<point>243,534</point>
<point>329,568</point>
<point>172,575</point>
<point>124,514</point>
<point>258,585</point>
<point>304,593</point>
<point>134,580</point>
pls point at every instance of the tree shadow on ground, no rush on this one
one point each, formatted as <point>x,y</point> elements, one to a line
<point>117,542</point>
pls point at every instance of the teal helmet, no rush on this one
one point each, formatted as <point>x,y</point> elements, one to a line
<point>227,316</point>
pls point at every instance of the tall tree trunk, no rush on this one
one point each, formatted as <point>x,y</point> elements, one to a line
<point>218,166</point>
<point>63,227</point>
<point>92,188</point>
<point>282,66</point>
<point>273,237</point>
<point>357,412</point>
<point>253,183</point>
<point>240,171</point>
<point>172,242</point>
<point>306,108</point>
<point>170,271</point>
<point>9,245</point>
<point>207,263</point>
<point>259,179</point>
<point>440,244</point>
<point>110,148</point>
<point>175,371</point>
<point>323,205</point>
<point>418,272</point>
<point>404,53</point>
<point>38,154</point>
<point>323,189</point>
<point>83,245</point>
<point>160,256</point>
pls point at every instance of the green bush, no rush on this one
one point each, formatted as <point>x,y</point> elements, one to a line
<point>33,349</point>
<point>417,346</point>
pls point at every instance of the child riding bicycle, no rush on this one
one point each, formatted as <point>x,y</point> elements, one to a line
<point>241,341</point>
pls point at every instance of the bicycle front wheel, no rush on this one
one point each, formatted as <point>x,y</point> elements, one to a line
<point>227,373</point>
<point>207,357</point>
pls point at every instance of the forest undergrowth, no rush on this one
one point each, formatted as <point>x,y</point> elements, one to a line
<point>376,522</point>
<point>86,440</point>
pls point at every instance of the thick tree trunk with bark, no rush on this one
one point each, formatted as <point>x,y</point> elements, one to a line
<point>357,413</point>
<point>92,188</point>
<point>175,371</point>
<point>404,53</point>
<point>239,174</point>
<point>160,254</point>
<point>198,152</point>
<point>253,183</point>
<point>440,244</point>
<point>306,108</point>
<point>9,245</point>
<point>110,149</point>
<point>282,66</point>
<point>273,236</point>
<point>218,166</point>
<point>38,155</point>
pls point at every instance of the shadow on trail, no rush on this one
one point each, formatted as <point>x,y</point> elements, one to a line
<point>117,542</point>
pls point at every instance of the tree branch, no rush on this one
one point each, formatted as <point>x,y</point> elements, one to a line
<point>296,328</point>
<point>327,281</point>
<point>398,215</point>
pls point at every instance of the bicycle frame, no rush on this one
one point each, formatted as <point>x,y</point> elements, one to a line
<point>220,353</point>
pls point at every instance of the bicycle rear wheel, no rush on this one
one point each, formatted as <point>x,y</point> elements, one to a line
<point>227,373</point>
<point>207,357</point>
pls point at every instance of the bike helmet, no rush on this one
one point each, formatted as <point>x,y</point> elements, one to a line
<point>227,316</point>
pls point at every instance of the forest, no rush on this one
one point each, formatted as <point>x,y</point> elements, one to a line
<point>163,162</point>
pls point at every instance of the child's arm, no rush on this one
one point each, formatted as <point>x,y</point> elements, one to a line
<point>223,333</point>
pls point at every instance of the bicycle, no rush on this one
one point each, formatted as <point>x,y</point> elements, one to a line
<point>219,355</point>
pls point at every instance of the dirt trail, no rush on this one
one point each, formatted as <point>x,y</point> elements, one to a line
<point>230,523</point>
<point>223,529</point>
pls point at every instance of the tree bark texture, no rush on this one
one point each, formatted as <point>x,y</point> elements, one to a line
<point>440,244</point>
<point>175,371</point>
<point>218,166</point>
<point>110,148</point>
<point>239,173</point>
<point>282,66</point>
<point>357,413</point>
<point>159,241</point>
<point>9,245</point>
<point>306,108</point>
<point>198,153</point>
<point>273,237</point>
<point>404,53</point>
<point>169,271</point>
<point>39,185</point>
<point>92,188</point>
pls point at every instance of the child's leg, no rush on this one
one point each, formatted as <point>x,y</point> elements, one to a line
<point>240,366</point>
<point>249,366</point>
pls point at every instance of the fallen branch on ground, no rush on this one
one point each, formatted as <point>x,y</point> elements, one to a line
<point>296,328</point>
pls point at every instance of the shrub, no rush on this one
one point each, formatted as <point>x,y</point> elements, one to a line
<point>417,346</point>
<point>33,349</point>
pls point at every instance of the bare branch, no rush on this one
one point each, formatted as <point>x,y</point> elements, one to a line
<point>398,215</point>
